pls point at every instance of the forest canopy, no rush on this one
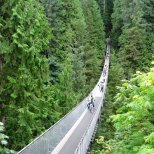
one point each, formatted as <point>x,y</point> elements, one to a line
<point>127,118</point>
<point>51,54</point>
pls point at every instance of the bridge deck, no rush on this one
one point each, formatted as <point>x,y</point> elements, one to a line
<point>71,144</point>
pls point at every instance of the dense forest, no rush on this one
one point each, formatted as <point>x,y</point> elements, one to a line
<point>51,56</point>
<point>127,123</point>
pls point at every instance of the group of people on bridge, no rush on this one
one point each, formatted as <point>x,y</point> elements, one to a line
<point>101,84</point>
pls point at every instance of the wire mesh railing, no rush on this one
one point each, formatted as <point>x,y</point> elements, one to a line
<point>82,147</point>
<point>45,143</point>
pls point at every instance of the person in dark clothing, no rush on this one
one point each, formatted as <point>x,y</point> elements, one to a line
<point>104,71</point>
<point>91,102</point>
<point>101,85</point>
<point>107,54</point>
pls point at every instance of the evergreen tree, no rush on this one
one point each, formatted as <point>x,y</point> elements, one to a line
<point>78,49</point>
<point>132,37</point>
<point>24,77</point>
<point>95,37</point>
<point>70,30</point>
<point>117,22</point>
<point>131,31</point>
<point>106,7</point>
<point>148,17</point>
<point>43,75</point>
<point>67,21</point>
<point>56,12</point>
<point>132,40</point>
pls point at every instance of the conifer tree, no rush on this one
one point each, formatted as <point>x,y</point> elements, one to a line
<point>106,8</point>
<point>148,17</point>
<point>78,49</point>
<point>43,77</point>
<point>67,21</point>
<point>130,29</point>
<point>24,36</point>
<point>70,30</point>
<point>95,40</point>
<point>132,40</point>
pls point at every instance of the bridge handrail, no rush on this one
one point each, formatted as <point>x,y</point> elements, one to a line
<point>53,126</point>
<point>81,146</point>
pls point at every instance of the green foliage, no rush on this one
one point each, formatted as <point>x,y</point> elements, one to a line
<point>102,146</point>
<point>47,63</point>
<point>105,128</point>
<point>133,120</point>
<point>64,89</point>
<point>132,41</point>
<point>78,35</point>
<point>24,74</point>
<point>95,40</point>
<point>132,46</point>
<point>106,7</point>
<point>132,34</point>
<point>132,38</point>
<point>3,142</point>
<point>66,51</point>
<point>117,21</point>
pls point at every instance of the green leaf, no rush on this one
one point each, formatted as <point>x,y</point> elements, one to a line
<point>11,79</point>
<point>14,95</point>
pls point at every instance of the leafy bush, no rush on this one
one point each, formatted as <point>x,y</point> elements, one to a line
<point>133,121</point>
<point>3,142</point>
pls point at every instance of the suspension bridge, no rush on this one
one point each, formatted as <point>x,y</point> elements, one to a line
<point>73,133</point>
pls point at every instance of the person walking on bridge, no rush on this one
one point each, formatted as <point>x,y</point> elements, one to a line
<point>107,54</point>
<point>104,70</point>
<point>107,45</point>
<point>101,85</point>
<point>90,102</point>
